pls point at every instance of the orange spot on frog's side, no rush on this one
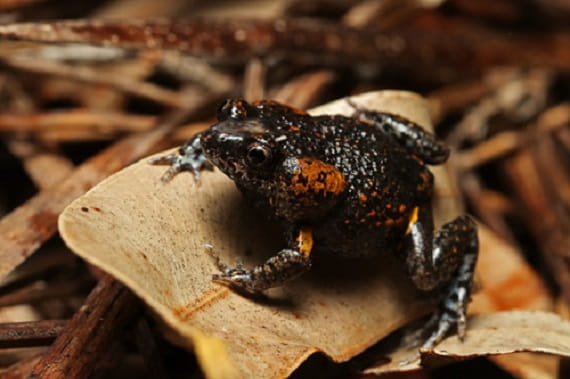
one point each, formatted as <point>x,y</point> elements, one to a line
<point>305,241</point>
<point>294,128</point>
<point>363,198</point>
<point>413,219</point>
<point>318,177</point>
<point>402,208</point>
<point>388,206</point>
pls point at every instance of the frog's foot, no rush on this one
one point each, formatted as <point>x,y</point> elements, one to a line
<point>452,313</point>
<point>190,157</point>
<point>286,265</point>
<point>237,277</point>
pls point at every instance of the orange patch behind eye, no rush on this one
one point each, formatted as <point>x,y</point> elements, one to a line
<point>317,176</point>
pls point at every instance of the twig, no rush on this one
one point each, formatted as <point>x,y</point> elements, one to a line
<point>551,234</point>
<point>455,97</point>
<point>29,334</point>
<point>507,142</point>
<point>87,337</point>
<point>304,89</point>
<point>26,228</point>
<point>254,80</point>
<point>518,96</point>
<point>40,291</point>
<point>89,75</point>
<point>21,369</point>
<point>84,119</point>
<point>239,40</point>
<point>196,70</point>
<point>44,167</point>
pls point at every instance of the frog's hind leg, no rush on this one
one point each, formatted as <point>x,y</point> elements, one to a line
<point>286,265</point>
<point>447,261</point>
<point>412,137</point>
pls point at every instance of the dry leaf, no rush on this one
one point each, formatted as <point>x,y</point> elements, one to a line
<point>508,332</point>
<point>152,237</point>
<point>493,334</point>
<point>507,280</point>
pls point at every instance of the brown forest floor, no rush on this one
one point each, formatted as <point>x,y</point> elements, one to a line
<point>496,75</point>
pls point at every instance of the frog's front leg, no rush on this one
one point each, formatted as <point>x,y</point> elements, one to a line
<point>287,264</point>
<point>447,261</point>
<point>190,157</point>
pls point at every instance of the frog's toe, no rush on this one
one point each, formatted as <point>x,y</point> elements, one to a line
<point>163,160</point>
<point>451,314</point>
<point>237,278</point>
<point>445,323</point>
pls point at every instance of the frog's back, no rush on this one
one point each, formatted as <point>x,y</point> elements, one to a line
<point>384,183</point>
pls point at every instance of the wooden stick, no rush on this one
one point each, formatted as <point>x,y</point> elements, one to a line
<point>26,228</point>
<point>90,333</point>
<point>30,334</point>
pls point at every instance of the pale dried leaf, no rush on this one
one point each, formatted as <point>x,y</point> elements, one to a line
<point>508,282</point>
<point>152,237</point>
<point>509,332</point>
<point>493,334</point>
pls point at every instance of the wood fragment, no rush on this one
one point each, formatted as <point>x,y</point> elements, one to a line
<point>254,80</point>
<point>26,228</point>
<point>196,70</point>
<point>518,96</point>
<point>324,42</point>
<point>490,206</point>
<point>507,142</point>
<point>303,90</point>
<point>147,345</point>
<point>551,235</point>
<point>83,119</point>
<point>37,292</point>
<point>88,75</point>
<point>38,267</point>
<point>45,168</point>
<point>90,333</point>
<point>28,334</point>
<point>454,98</point>
<point>21,369</point>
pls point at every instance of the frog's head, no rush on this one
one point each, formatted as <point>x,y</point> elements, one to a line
<point>242,145</point>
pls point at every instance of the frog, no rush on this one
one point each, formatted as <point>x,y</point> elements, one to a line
<point>353,186</point>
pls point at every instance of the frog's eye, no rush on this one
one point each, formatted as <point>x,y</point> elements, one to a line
<point>258,155</point>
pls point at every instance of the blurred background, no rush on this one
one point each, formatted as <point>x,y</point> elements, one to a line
<point>80,101</point>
